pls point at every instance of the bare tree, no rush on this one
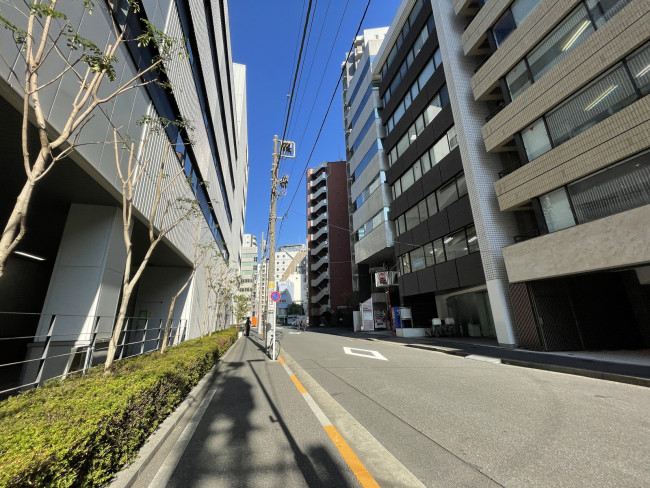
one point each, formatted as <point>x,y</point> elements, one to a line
<point>167,212</point>
<point>47,38</point>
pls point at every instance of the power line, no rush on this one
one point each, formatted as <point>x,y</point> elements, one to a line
<point>320,130</point>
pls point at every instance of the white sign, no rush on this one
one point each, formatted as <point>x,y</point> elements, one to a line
<point>367,318</point>
<point>364,353</point>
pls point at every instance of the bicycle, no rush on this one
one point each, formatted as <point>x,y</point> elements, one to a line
<point>270,339</point>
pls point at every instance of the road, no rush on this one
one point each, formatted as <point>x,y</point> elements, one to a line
<point>455,421</point>
<point>409,417</point>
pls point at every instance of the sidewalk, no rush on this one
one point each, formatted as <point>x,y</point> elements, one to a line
<point>252,428</point>
<point>631,367</point>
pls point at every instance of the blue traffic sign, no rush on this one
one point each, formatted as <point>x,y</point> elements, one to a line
<point>275,296</point>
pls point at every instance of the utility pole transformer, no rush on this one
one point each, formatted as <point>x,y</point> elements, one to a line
<point>281,149</point>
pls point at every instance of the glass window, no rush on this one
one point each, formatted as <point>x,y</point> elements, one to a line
<point>426,162</point>
<point>431,204</point>
<point>393,156</point>
<point>406,263</point>
<point>417,170</point>
<point>414,90</point>
<point>426,74</point>
<point>639,64</point>
<point>536,140</point>
<point>455,245</point>
<point>439,251</point>
<point>557,210</point>
<point>447,195</point>
<point>429,260</point>
<point>521,9</point>
<point>452,137</point>
<point>412,218</point>
<point>615,189</point>
<point>568,35</point>
<point>407,180</point>
<point>398,188</point>
<point>401,224</point>
<point>412,134</point>
<point>601,99</point>
<point>407,100</point>
<point>503,27</point>
<point>518,80</point>
<point>419,125</point>
<point>422,209</point>
<point>472,239</point>
<point>441,149</point>
<point>417,259</point>
<point>603,10</point>
<point>409,58</point>
<point>437,58</point>
<point>399,111</point>
<point>402,145</point>
<point>462,185</point>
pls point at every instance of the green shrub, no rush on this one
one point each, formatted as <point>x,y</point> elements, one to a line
<point>82,431</point>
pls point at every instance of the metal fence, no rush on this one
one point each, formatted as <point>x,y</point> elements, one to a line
<point>71,344</point>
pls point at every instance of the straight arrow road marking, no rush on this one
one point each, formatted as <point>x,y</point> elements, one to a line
<point>364,353</point>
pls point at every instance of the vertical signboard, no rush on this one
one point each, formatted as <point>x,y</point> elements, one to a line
<point>367,318</point>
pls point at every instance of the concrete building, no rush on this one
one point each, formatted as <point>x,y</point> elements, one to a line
<point>448,226</point>
<point>328,243</point>
<point>370,197</point>
<point>565,86</point>
<point>74,223</point>
<point>248,269</point>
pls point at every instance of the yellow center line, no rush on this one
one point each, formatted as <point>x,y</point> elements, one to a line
<point>357,467</point>
<point>355,464</point>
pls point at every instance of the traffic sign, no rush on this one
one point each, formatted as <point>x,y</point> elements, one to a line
<point>275,296</point>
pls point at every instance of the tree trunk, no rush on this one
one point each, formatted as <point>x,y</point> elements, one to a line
<point>15,228</point>
<point>168,323</point>
<point>117,330</point>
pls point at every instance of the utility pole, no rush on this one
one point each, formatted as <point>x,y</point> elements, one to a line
<point>281,149</point>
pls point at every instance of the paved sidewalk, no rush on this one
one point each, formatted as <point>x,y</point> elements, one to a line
<point>253,428</point>
<point>621,366</point>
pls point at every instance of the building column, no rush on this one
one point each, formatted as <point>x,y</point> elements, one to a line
<point>494,228</point>
<point>84,289</point>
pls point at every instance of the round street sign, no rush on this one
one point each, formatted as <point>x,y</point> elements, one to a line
<point>275,296</point>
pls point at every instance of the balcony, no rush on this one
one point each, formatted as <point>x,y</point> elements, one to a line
<point>316,195</point>
<point>320,205</point>
<point>323,231</point>
<point>320,178</point>
<point>318,220</point>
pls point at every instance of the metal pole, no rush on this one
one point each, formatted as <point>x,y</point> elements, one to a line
<point>272,218</point>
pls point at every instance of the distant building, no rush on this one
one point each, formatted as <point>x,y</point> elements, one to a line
<point>248,269</point>
<point>328,242</point>
<point>372,231</point>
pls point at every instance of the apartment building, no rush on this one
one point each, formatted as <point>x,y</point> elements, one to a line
<point>248,269</point>
<point>328,244</point>
<point>369,196</point>
<point>67,276</point>
<point>567,84</point>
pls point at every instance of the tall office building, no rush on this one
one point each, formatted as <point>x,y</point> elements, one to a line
<point>568,125</point>
<point>371,239</point>
<point>248,269</point>
<point>74,256</point>
<point>328,243</point>
<point>449,229</point>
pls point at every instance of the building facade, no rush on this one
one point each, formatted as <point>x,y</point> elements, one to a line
<point>449,231</point>
<point>328,244</point>
<point>567,87</point>
<point>248,269</point>
<point>75,223</point>
<point>369,196</point>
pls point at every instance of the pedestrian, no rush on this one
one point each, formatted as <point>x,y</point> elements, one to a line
<point>248,326</point>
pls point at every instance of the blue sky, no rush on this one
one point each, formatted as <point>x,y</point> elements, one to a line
<point>265,37</point>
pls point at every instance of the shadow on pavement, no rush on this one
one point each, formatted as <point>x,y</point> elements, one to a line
<point>222,451</point>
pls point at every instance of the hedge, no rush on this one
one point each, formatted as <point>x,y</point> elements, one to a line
<point>80,432</point>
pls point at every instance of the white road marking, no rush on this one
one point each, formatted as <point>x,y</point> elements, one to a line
<point>364,353</point>
<point>485,359</point>
<point>296,333</point>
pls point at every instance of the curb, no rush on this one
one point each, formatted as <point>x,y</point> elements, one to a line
<point>599,375</point>
<point>128,475</point>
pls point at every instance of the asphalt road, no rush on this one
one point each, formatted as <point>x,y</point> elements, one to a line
<point>455,421</point>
